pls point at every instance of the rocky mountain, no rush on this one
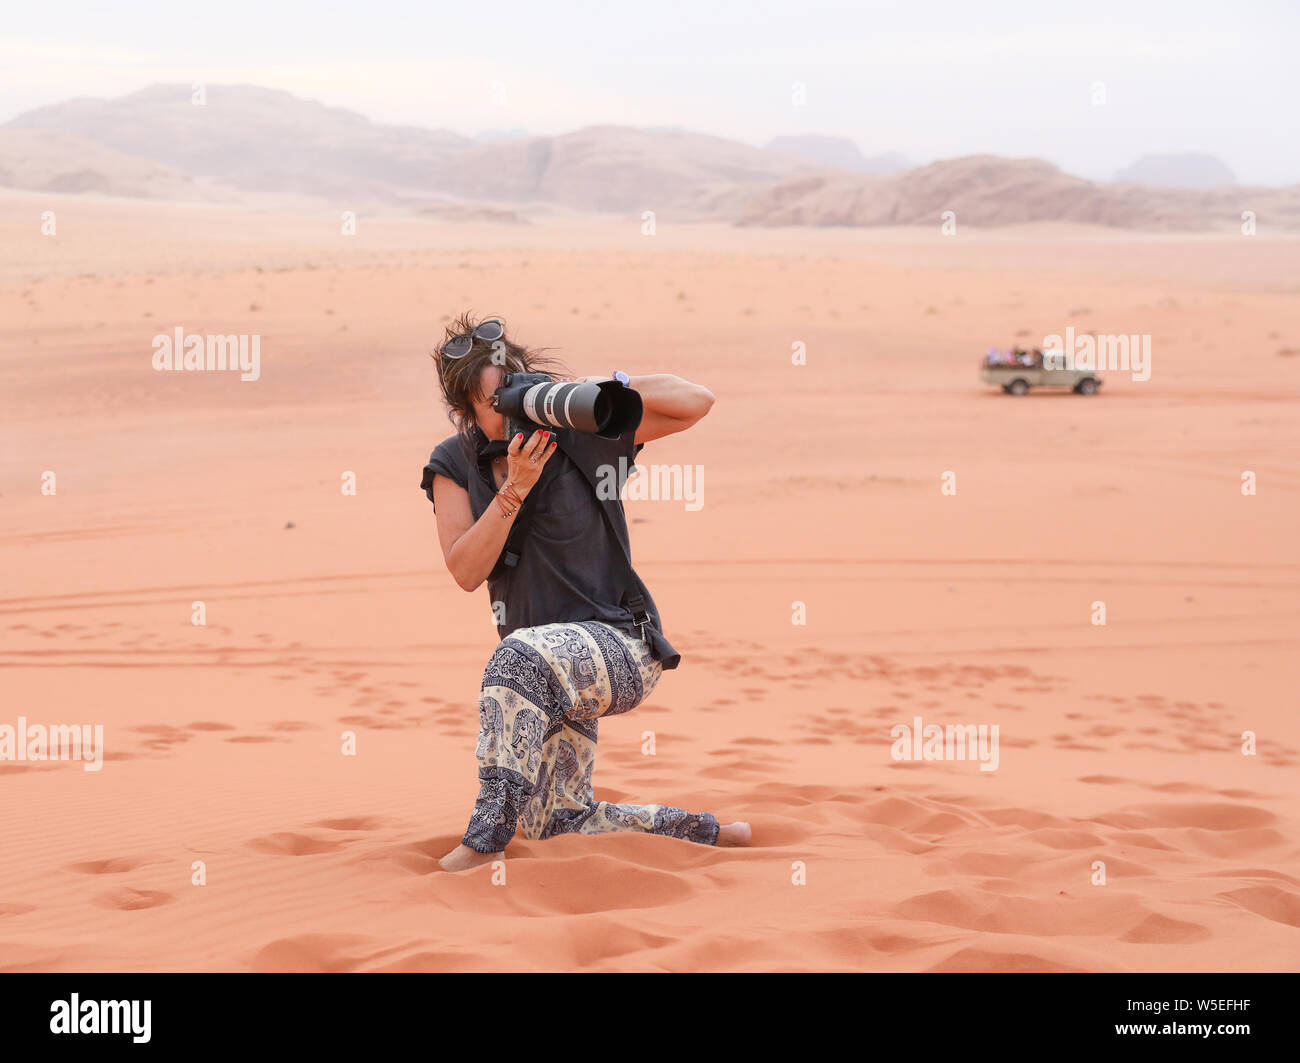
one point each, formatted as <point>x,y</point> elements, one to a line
<point>1178,171</point>
<point>986,190</point>
<point>255,138</point>
<point>614,168</point>
<point>244,140</point>
<point>47,160</point>
<point>838,153</point>
<point>271,141</point>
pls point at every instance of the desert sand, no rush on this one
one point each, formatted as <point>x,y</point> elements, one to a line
<point>329,612</point>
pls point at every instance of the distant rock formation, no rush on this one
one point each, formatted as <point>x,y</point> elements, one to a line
<point>44,160</point>
<point>613,168</point>
<point>245,141</point>
<point>1178,171</point>
<point>986,190</point>
<point>838,152</point>
<point>255,138</point>
<point>267,140</point>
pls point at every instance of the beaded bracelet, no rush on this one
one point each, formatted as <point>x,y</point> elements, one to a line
<point>508,497</point>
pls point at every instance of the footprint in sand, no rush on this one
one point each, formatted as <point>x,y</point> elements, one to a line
<point>351,823</point>
<point>286,843</point>
<point>164,736</point>
<point>375,723</point>
<point>113,866</point>
<point>127,899</point>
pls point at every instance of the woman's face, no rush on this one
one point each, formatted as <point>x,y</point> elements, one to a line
<point>491,422</point>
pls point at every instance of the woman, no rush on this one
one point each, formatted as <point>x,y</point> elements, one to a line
<point>564,597</point>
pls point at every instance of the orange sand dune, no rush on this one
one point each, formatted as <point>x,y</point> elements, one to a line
<point>327,612</point>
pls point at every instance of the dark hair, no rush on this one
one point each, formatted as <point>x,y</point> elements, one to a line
<point>459,377</point>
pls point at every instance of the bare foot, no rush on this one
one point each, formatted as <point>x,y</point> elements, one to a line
<point>731,834</point>
<point>462,858</point>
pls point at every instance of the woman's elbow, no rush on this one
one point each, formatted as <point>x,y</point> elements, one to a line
<point>467,582</point>
<point>704,400</point>
<point>466,579</point>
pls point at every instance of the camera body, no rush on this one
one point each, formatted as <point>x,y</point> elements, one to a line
<point>530,401</point>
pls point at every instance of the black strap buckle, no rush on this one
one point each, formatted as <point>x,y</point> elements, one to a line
<point>640,617</point>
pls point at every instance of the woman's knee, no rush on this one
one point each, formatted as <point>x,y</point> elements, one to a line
<point>521,663</point>
<point>527,641</point>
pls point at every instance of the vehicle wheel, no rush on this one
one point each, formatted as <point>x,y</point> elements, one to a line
<point>1018,387</point>
<point>1086,386</point>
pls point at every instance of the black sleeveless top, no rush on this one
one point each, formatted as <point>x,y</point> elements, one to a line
<point>570,566</point>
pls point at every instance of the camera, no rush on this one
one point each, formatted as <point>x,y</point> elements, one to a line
<point>530,401</point>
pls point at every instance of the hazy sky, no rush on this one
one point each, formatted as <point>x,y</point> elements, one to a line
<point>929,80</point>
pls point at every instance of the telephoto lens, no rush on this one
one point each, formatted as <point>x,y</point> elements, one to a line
<point>606,409</point>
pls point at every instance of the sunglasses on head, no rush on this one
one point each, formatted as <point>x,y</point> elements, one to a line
<point>459,346</point>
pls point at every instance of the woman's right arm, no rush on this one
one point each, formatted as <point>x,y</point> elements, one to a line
<point>471,547</point>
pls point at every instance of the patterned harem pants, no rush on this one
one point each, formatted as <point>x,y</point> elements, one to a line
<point>543,691</point>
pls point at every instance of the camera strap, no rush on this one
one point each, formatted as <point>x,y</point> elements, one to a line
<point>633,600</point>
<point>514,544</point>
<point>513,548</point>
